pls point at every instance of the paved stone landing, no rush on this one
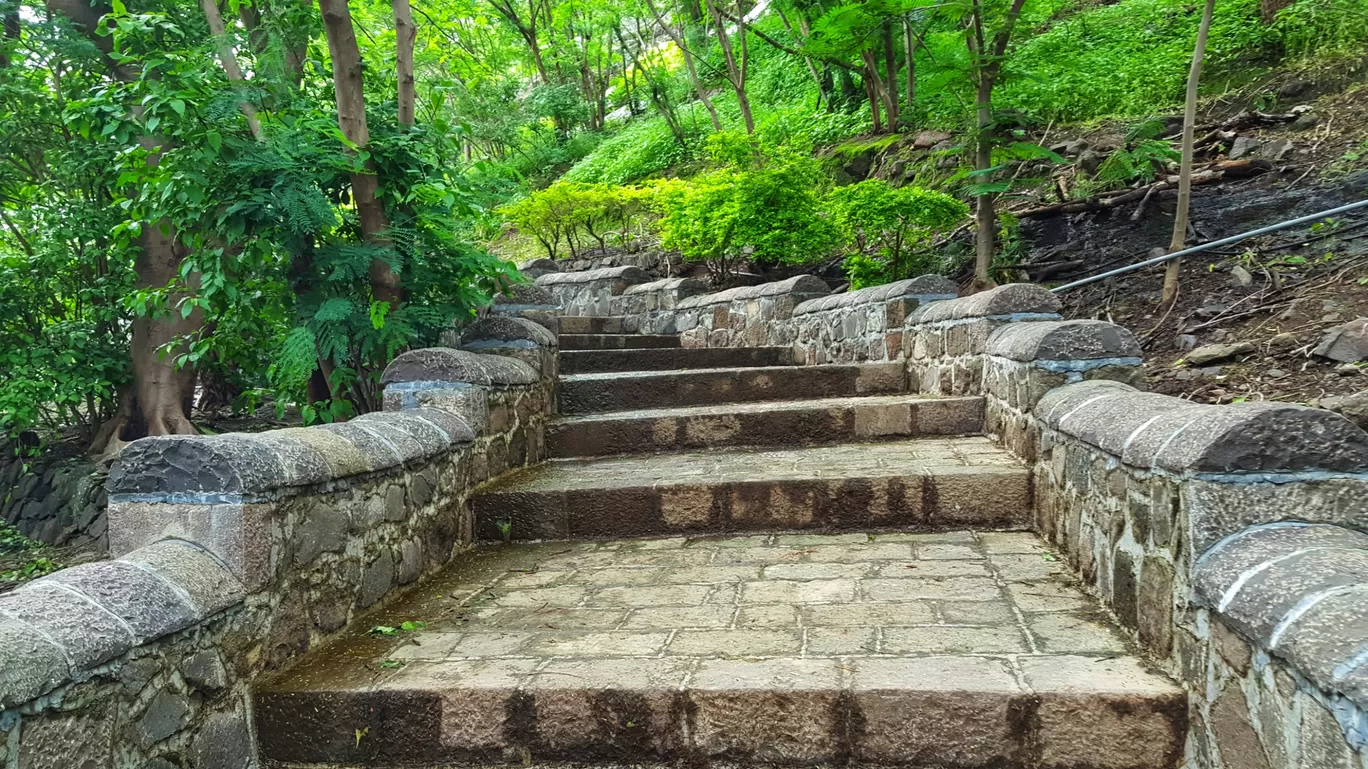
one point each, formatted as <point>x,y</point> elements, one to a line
<point>919,484</point>
<point>776,423</point>
<point>954,649</point>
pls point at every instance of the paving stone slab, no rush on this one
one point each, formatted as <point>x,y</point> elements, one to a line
<point>922,484</point>
<point>616,341</point>
<point>779,423</point>
<point>621,668</point>
<point>597,393</point>
<point>672,358</point>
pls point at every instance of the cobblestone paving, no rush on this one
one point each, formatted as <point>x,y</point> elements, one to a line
<point>531,610</point>
<point>895,458</point>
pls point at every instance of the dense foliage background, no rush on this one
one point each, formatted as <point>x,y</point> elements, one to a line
<point>194,218</point>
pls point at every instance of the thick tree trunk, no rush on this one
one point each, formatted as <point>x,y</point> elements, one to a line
<point>1180,217</point>
<point>351,118</point>
<point>228,58</point>
<point>405,33</point>
<point>159,401</point>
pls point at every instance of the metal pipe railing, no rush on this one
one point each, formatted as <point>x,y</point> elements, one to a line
<point>1211,245</point>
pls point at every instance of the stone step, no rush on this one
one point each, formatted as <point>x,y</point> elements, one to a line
<point>670,359</point>
<point>774,424</point>
<point>616,341</point>
<point>597,393</point>
<point>960,649</point>
<point>592,324</point>
<point>925,484</point>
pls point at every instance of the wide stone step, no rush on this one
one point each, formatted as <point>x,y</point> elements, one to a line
<point>773,424</point>
<point>667,359</point>
<point>594,324</point>
<point>597,393</point>
<point>616,341</point>
<point>920,484</point>
<point>960,649</point>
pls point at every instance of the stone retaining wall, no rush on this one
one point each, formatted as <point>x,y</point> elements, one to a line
<point>590,292</point>
<point>235,554</point>
<point>59,501</point>
<point>746,316</point>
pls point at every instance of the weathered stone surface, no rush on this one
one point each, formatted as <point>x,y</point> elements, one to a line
<point>204,671</point>
<point>779,424</point>
<point>672,359</point>
<point>491,330</point>
<point>1210,353</point>
<point>1347,343</point>
<point>165,715</point>
<point>87,634</point>
<point>150,605</point>
<point>197,464</point>
<point>30,664</point>
<point>799,284</point>
<point>521,295</point>
<point>1236,740</point>
<point>1063,340</point>
<point>627,275</point>
<point>72,741</point>
<point>1247,437</point>
<point>594,393</point>
<point>222,742</point>
<point>208,584</point>
<point>1353,407</point>
<point>377,580</point>
<point>618,341</point>
<point>443,364</point>
<point>924,287</point>
<point>1013,299</point>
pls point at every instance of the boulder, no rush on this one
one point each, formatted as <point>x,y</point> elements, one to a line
<point>1243,146</point>
<point>1353,407</point>
<point>1347,343</point>
<point>1210,353</point>
<point>928,139</point>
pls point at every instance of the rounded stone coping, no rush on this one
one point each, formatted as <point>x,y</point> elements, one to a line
<point>224,468</point>
<point>540,263</point>
<point>667,284</point>
<point>1153,431</point>
<point>443,364</point>
<point>506,330</point>
<point>59,627</point>
<point>1009,300</point>
<point>927,288</point>
<point>627,274</point>
<point>1063,340</point>
<point>1298,591</point>
<point>526,294</point>
<point>798,284</point>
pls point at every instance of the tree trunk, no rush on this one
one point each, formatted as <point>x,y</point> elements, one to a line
<point>891,77</point>
<point>910,52</point>
<point>351,118</point>
<point>681,39</point>
<point>159,401</point>
<point>404,34</point>
<point>985,209</point>
<point>873,89</point>
<point>736,75</point>
<point>1180,217</point>
<point>228,58</point>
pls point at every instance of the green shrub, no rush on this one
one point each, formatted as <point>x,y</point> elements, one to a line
<point>770,214</point>
<point>895,222</point>
<point>572,213</point>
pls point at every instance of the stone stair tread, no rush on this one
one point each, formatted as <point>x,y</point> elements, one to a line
<point>586,342</point>
<point>671,358</point>
<point>761,407</point>
<point>970,647</point>
<point>894,458</point>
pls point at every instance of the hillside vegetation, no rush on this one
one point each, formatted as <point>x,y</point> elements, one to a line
<point>211,208</point>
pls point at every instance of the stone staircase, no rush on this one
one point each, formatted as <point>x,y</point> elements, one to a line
<point>730,558</point>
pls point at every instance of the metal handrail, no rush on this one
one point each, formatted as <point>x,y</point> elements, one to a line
<point>1211,245</point>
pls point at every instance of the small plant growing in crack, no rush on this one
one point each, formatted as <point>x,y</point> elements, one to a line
<point>505,531</point>
<point>408,626</point>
